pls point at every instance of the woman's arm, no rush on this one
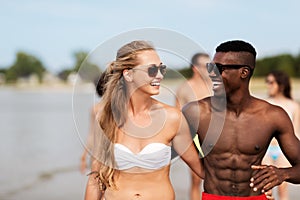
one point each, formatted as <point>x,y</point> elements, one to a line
<point>93,191</point>
<point>184,146</point>
<point>296,120</point>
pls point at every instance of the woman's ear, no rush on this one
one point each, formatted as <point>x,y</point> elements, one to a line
<point>127,74</point>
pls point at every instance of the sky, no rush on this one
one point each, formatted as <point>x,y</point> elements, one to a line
<point>54,30</point>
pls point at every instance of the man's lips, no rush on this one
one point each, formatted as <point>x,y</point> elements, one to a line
<point>216,83</point>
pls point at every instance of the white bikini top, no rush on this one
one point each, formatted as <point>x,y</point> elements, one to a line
<point>152,156</point>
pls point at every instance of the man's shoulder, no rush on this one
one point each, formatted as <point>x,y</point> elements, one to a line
<point>262,106</point>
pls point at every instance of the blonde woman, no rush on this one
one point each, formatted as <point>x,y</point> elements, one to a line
<point>132,149</point>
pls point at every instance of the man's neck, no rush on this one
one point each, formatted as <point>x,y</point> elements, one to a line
<point>238,101</point>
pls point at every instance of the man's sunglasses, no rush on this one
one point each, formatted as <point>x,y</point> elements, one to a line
<point>153,69</point>
<point>217,66</point>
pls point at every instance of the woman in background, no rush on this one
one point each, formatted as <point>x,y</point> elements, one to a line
<point>279,91</point>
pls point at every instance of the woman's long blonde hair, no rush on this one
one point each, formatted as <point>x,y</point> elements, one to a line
<point>114,113</point>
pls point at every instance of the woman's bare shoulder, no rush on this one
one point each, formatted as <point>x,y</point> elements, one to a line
<point>295,104</point>
<point>172,112</point>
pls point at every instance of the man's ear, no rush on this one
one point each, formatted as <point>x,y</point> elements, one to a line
<point>127,74</point>
<point>245,72</point>
<point>194,69</point>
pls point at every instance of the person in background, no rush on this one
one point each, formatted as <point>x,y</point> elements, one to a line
<point>196,88</point>
<point>99,86</point>
<point>279,92</point>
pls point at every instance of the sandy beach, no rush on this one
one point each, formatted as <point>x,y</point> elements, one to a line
<point>43,131</point>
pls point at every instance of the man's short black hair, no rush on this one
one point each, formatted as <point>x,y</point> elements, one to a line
<point>236,46</point>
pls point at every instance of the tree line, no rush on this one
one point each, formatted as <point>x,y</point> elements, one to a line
<point>26,64</point>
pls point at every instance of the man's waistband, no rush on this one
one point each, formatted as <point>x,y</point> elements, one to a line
<point>206,196</point>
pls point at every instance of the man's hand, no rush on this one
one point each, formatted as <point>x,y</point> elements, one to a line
<point>266,178</point>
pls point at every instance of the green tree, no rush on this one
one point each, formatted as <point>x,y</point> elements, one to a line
<point>186,72</point>
<point>25,65</point>
<point>297,65</point>
<point>63,74</point>
<point>284,62</point>
<point>79,56</point>
<point>86,70</point>
<point>3,70</point>
<point>178,73</point>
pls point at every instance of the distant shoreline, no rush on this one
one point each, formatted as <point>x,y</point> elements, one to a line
<point>257,86</point>
<point>57,87</point>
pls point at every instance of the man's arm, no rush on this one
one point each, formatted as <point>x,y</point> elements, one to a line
<point>270,176</point>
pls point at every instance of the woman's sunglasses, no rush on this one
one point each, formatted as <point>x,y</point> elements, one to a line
<point>270,82</point>
<point>153,69</point>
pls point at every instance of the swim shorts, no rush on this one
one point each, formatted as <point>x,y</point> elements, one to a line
<point>206,196</point>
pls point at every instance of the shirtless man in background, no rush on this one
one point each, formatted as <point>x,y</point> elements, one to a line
<point>233,164</point>
<point>196,88</point>
<point>199,85</point>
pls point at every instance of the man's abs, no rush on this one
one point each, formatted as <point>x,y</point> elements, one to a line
<point>229,175</point>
